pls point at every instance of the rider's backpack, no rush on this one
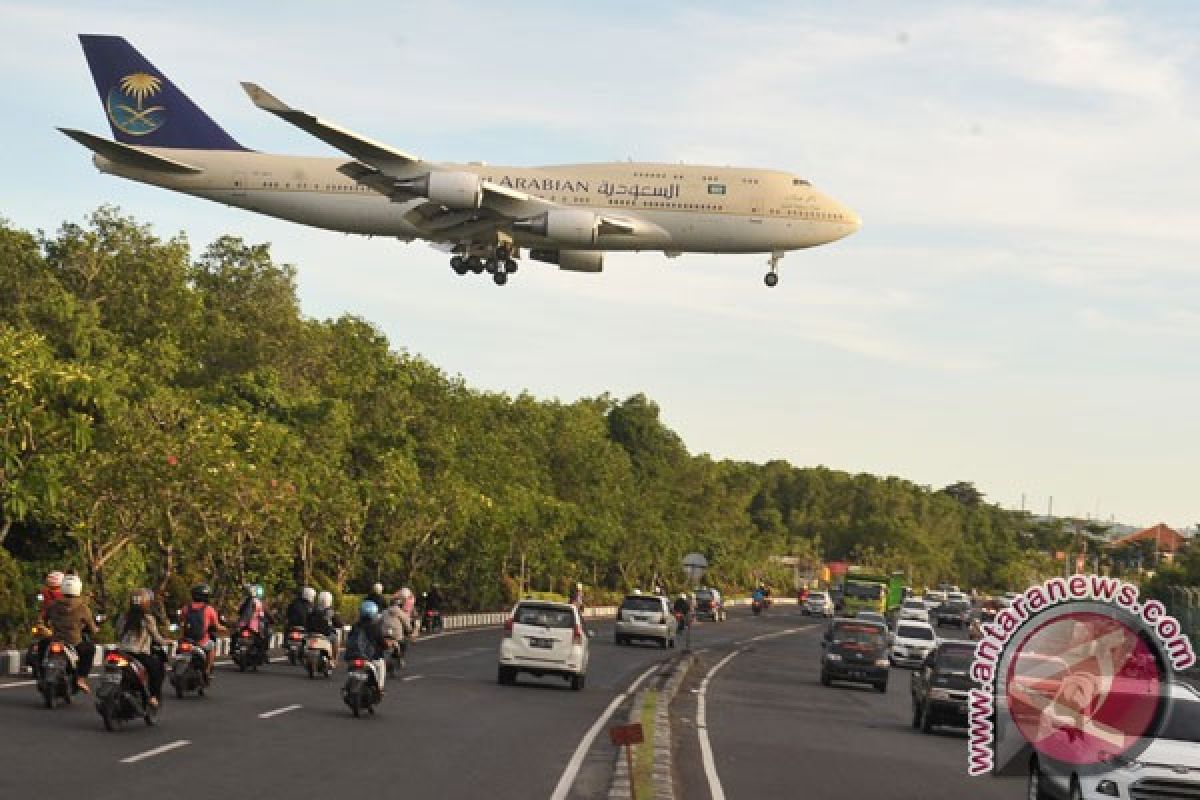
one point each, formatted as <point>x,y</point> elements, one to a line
<point>193,623</point>
<point>359,644</point>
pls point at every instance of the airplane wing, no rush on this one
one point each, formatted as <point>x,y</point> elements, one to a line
<point>393,172</point>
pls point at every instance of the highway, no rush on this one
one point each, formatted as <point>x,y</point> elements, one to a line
<point>774,731</point>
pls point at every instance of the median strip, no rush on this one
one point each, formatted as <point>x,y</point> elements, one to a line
<point>166,748</point>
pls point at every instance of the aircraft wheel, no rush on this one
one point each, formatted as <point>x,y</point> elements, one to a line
<point>458,265</point>
<point>510,265</point>
<point>771,279</point>
<point>500,278</point>
<point>475,264</point>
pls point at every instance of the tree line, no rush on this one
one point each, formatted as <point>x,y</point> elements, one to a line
<point>168,417</point>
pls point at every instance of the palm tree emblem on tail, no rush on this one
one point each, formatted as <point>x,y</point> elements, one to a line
<point>126,104</point>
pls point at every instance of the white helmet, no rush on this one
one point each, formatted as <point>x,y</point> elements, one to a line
<point>578,585</point>
<point>405,593</point>
<point>377,588</point>
<point>683,595</point>
<point>72,586</point>
<point>308,593</point>
<point>637,591</point>
<point>325,600</point>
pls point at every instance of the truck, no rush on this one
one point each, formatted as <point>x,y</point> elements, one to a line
<point>872,591</point>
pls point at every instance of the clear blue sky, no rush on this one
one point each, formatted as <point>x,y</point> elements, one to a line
<point>1021,307</point>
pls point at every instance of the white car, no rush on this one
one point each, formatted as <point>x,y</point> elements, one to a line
<point>958,597</point>
<point>912,642</point>
<point>544,638</point>
<point>934,598</point>
<point>914,609</point>
<point>1169,767</point>
<point>817,603</point>
<point>645,616</point>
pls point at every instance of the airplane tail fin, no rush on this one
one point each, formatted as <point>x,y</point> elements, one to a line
<point>142,105</point>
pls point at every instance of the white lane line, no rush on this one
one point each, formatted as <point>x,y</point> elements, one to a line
<point>568,777</point>
<point>18,683</point>
<point>411,677</point>
<point>166,748</point>
<point>278,711</point>
<point>706,755</point>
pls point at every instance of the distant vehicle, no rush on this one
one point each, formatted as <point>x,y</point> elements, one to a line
<point>817,604</point>
<point>872,616</point>
<point>940,687</point>
<point>934,598</point>
<point>645,616</point>
<point>954,612</point>
<point>709,604</point>
<point>915,610</point>
<point>957,597</point>
<point>1169,767</point>
<point>544,638</point>
<point>867,591</point>
<point>912,642</point>
<point>855,651</point>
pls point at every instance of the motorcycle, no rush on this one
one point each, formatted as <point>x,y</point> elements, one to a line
<point>756,606</point>
<point>361,691</point>
<point>395,657</point>
<point>57,673</point>
<point>318,655</point>
<point>431,621</point>
<point>248,650</point>
<point>189,669</point>
<point>294,642</point>
<point>40,632</point>
<point>124,692</point>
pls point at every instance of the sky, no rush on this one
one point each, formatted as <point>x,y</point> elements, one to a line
<point>1021,308</point>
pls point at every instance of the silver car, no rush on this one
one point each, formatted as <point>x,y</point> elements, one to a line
<point>645,616</point>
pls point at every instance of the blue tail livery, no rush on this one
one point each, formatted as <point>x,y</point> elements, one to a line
<point>142,105</point>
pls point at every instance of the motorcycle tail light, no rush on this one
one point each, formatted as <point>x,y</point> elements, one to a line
<point>56,647</point>
<point>294,636</point>
<point>245,634</point>
<point>578,637</point>
<point>359,663</point>
<point>116,660</point>
<point>185,646</point>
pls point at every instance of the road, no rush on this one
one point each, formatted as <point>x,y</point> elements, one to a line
<point>446,730</point>
<point>776,732</point>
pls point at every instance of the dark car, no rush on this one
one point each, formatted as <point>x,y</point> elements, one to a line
<point>709,604</point>
<point>941,685</point>
<point>954,612</point>
<point>855,651</point>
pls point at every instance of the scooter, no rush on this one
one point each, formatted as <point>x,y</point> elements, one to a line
<point>756,606</point>
<point>395,657</point>
<point>124,692</point>
<point>56,675</point>
<point>361,691</point>
<point>248,650</point>
<point>431,621</point>
<point>318,655</point>
<point>294,642</point>
<point>189,669</point>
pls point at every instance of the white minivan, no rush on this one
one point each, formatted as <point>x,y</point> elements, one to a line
<point>544,638</point>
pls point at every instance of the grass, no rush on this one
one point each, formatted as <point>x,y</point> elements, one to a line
<point>643,756</point>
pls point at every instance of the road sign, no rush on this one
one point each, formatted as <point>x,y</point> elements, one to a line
<point>695,564</point>
<point>626,734</point>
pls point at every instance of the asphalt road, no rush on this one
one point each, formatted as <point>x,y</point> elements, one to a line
<point>445,730</point>
<point>776,732</point>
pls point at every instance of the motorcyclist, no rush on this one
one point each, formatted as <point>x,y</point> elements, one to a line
<point>396,626</point>
<point>325,621</point>
<point>252,613</point>
<point>433,600</point>
<point>70,618</point>
<point>300,607</point>
<point>198,621</point>
<point>365,640</point>
<point>50,592</point>
<point>138,632</point>
<point>577,597</point>
<point>376,596</point>
<point>683,611</point>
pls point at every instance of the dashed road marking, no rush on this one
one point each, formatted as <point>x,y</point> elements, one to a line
<point>278,711</point>
<point>411,677</point>
<point>166,748</point>
<point>15,685</point>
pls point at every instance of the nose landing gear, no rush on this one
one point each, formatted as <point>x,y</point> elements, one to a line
<point>772,277</point>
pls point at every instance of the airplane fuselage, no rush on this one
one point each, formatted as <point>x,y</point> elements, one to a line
<point>684,208</point>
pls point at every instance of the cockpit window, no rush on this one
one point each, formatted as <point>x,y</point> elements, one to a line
<point>800,182</point>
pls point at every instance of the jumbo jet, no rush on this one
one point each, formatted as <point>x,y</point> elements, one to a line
<point>486,216</point>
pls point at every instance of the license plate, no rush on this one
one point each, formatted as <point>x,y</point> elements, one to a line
<point>112,677</point>
<point>544,644</point>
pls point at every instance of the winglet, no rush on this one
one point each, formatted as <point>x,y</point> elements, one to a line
<point>264,99</point>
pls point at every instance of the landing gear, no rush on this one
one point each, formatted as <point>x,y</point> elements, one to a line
<point>772,277</point>
<point>459,265</point>
<point>497,261</point>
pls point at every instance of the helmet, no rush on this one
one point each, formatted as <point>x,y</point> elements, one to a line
<point>683,595</point>
<point>637,591</point>
<point>54,579</point>
<point>249,590</point>
<point>405,593</point>
<point>579,586</point>
<point>72,586</point>
<point>201,593</point>
<point>141,598</point>
<point>325,600</point>
<point>308,593</point>
<point>377,588</point>
<point>368,610</point>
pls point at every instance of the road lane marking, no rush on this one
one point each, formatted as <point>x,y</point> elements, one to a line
<point>568,777</point>
<point>18,683</point>
<point>411,677</point>
<point>166,748</point>
<point>278,711</point>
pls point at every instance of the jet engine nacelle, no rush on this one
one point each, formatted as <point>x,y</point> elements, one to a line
<point>564,226</point>
<point>451,189</point>
<point>571,260</point>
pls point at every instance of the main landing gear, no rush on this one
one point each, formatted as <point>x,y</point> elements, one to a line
<point>499,263</point>
<point>772,276</point>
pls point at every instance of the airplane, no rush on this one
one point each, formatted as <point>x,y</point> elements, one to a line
<point>485,216</point>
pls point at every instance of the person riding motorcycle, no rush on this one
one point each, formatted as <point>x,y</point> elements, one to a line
<point>577,597</point>
<point>300,607</point>
<point>365,640</point>
<point>682,609</point>
<point>376,596</point>
<point>198,621</point>
<point>50,592</point>
<point>70,617</point>
<point>138,632</point>
<point>325,621</point>
<point>397,626</point>
<point>433,599</point>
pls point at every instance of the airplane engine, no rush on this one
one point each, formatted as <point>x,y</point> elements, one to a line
<point>571,260</point>
<point>564,226</point>
<point>451,189</point>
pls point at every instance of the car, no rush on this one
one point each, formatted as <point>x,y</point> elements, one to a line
<point>941,686</point>
<point>912,642</point>
<point>645,617</point>
<point>544,638</point>
<point>709,604</point>
<point>914,609</point>
<point>1168,767</point>
<point>817,604</point>
<point>958,597</point>
<point>872,616</point>
<point>934,598</point>
<point>954,612</point>
<point>855,651</point>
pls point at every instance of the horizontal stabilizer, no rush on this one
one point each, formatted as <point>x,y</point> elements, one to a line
<point>129,155</point>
